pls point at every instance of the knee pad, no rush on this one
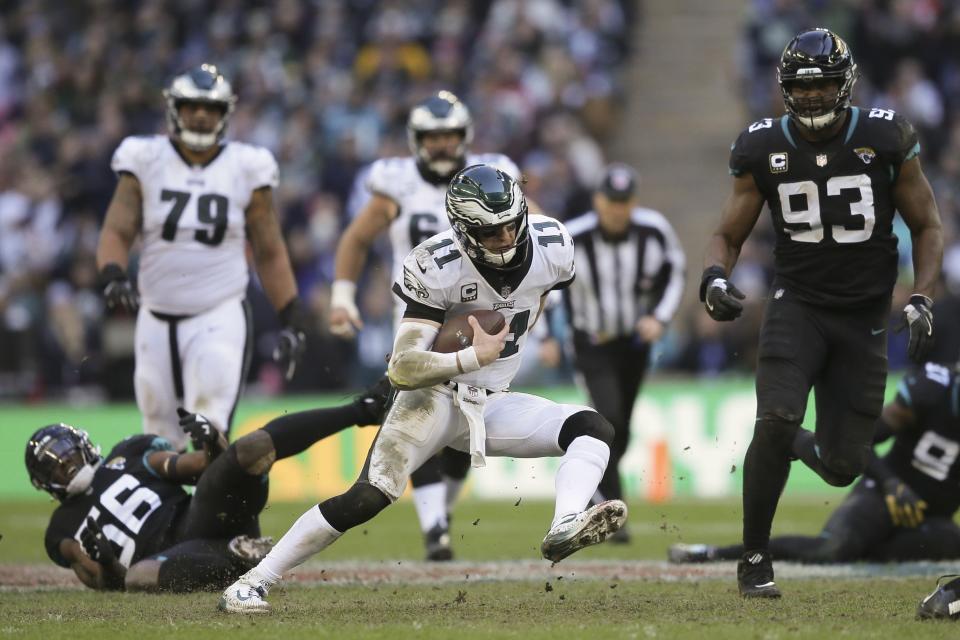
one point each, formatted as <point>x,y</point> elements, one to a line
<point>358,505</point>
<point>776,432</point>
<point>585,423</point>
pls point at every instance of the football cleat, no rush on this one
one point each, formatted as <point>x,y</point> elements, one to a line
<point>246,595</point>
<point>943,603</point>
<point>755,575</point>
<point>680,553</point>
<point>438,544</point>
<point>375,401</point>
<point>579,530</point>
<point>248,550</point>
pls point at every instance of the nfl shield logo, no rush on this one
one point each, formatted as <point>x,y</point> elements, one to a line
<point>821,159</point>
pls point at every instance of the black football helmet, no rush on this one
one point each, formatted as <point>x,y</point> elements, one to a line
<point>61,460</point>
<point>200,84</point>
<point>817,54</point>
<point>481,198</point>
<point>441,112</point>
<point>943,603</point>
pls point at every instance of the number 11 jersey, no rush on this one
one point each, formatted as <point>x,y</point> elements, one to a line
<point>831,203</point>
<point>194,220</point>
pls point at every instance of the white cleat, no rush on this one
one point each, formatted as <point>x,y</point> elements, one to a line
<point>246,595</point>
<point>583,529</point>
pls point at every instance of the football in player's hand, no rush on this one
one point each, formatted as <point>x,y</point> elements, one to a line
<point>456,333</point>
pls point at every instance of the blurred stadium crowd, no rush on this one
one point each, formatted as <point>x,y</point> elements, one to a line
<point>326,85</point>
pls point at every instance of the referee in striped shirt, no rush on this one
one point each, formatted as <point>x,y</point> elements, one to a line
<point>630,277</point>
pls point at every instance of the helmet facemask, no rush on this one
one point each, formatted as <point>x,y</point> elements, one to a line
<point>481,201</point>
<point>205,85</point>
<point>818,112</point>
<point>817,56</point>
<point>61,460</point>
<point>442,113</point>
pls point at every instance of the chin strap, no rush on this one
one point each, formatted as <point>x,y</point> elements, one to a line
<point>83,479</point>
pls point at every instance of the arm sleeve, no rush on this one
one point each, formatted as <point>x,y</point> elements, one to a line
<point>739,160</point>
<point>129,157</point>
<point>383,178</point>
<point>676,265</point>
<point>907,144</point>
<point>562,256</point>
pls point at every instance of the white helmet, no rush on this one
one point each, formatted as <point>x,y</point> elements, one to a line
<point>481,197</point>
<point>442,112</point>
<point>200,84</point>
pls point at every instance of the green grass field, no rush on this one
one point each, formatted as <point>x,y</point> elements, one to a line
<point>651,603</point>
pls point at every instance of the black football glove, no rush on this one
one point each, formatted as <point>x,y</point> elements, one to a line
<point>719,295</point>
<point>905,506</point>
<point>201,431</point>
<point>918,317</point>
<point>95,544</point>
<point>117,290</point>
<point>292,340</point>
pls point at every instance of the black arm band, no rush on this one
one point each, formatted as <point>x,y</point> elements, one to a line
<point>709,274</point>
<point>294,315</point>
<point>418,310</point>
<point>110,273</point>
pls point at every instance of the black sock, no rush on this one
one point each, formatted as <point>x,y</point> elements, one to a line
<point>296,432</point>
<point>765,470</point>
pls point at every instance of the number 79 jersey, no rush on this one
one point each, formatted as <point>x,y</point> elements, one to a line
<point>437,274</point>
<point>831,203</point>
<point>194,221</point>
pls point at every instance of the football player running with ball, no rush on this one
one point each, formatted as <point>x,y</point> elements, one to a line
<point>833,176</point>
<point>495,257</point>
<point>195,200</point>
<point>407,201</point>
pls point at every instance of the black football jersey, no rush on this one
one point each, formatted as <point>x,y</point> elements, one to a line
<point>831,203</point>
<point>927,458</point>
<point>133,506</point>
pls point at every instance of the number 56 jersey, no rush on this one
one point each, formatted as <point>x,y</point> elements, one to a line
<point>132,505</point>
<point>194,221</point>
<point>440,280</point>
<point>831,202</point>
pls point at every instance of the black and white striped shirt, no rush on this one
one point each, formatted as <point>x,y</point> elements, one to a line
<point>620,281</point>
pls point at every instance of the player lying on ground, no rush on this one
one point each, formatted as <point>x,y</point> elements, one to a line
<point>903,507</point>
<point>124,520</point>
<point>493,258</point>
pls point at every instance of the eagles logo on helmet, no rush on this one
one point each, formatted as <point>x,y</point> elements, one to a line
<point>61,460</point>
<point>201,84</point>
<point>442,112</point>
<point>480,200</point>
<point>817,54</point>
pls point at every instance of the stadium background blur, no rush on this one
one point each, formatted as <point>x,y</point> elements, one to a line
<point>562,87</point>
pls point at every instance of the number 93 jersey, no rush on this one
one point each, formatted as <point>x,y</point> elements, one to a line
<point>831,203</point>
<point>421,211</point>
<point>437,275</point>
<point>194,221</point>
<point>133,506</point>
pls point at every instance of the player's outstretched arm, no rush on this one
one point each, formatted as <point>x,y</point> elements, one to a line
<point>914,200</point>
<point>413,366</point>
<point>108,576</point>
<point>351,255</point>
<point>739,215</point>
<point>120,229</point>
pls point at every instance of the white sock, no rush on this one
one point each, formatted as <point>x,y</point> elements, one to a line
<point>578,475</point>
<point>310,534</point>
<point>430,500</point>
<point>453,485</point>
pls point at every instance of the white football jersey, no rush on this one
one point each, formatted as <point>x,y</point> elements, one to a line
<point>194,221</point>
<point>438,275</point>
<point>421,209</point>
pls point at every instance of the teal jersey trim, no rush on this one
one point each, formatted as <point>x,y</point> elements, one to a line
<point>158,444</point>
<point>913,153</point>
<point>786,131</point>
<point>904,393</point>
<point>854,119</point>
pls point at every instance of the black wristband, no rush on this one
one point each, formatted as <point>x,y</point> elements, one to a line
<point>709,274</point>
<point>294,316</point>
<point>111,272</point>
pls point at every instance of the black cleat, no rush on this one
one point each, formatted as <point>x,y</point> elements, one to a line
<point>374,402</point>
<point>755,575</point>
<point>943,603</point>
<point>438,544</point>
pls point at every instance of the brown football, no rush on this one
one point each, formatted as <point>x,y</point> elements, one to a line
<point>456,333</point>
